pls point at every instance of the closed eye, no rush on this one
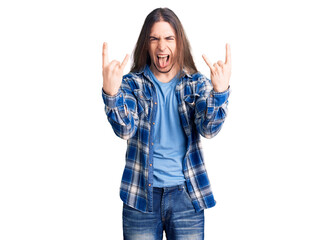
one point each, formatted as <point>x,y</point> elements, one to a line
<point>153,38</point>
<point>170,38</point>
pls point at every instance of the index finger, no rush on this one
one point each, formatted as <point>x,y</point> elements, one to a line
<point>208,62</point>
<point>105,54</point>
<point>228,54</point>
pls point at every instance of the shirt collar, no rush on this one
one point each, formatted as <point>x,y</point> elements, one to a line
<point>145,72</point>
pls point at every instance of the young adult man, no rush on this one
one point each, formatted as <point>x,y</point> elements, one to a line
<point>161,107</point>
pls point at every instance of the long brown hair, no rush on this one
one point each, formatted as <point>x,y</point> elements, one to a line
<point>184,57</point>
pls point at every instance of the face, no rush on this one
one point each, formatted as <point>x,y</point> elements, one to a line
<point>162,48</point>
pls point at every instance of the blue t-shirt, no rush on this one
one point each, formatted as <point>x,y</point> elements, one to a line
<point>169,136</point>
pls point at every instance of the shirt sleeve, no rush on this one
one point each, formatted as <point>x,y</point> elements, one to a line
<point>211,109</point>
<point>121,111</point>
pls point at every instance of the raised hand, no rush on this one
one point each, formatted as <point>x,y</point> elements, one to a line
<point>220,72</point>
<point>112,72</point>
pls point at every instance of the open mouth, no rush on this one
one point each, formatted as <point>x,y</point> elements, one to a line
<point>163,60</point>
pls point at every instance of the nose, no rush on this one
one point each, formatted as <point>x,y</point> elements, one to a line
<point>161,45</point>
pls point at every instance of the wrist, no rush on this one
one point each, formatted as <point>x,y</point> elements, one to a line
<point>113,93</point>
<point>110,92</point>
<point>220,89</point>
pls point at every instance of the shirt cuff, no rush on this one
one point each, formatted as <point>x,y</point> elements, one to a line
<point>217,99</point>
<point>113,101</point>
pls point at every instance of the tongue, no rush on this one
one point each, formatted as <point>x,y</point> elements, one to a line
<point>162,62</point>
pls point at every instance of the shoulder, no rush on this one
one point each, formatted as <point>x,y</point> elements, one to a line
<point>134,79</point>
<point>194,84</point>
<point>133,76</point>
<point>196,79</point>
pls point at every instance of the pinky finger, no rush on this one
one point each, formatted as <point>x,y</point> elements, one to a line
<point>123,64</point>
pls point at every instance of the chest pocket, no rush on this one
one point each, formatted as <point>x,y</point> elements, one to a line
<point>187,108</point>
<point>190,101</point>
<point>144,102</point>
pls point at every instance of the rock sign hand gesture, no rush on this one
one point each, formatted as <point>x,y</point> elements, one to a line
<point>220,72</point>
<point>112,72</point>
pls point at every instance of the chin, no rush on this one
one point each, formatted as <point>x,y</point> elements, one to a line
<point>164,70</point>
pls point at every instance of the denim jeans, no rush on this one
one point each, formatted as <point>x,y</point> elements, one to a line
<point>173,212</point>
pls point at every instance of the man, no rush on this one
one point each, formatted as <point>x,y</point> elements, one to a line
<point>160,108</point>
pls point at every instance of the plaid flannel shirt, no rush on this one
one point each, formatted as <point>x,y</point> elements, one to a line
<point>131,112</point>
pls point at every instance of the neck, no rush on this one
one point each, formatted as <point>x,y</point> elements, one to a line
<point>164,77</point>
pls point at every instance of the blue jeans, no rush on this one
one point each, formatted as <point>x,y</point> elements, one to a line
<point>172,212</point>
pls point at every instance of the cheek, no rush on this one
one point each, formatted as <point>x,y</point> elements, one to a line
<point>174,50</point>
<point>150,52</point>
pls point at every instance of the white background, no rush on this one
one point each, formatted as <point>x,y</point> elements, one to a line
<point>270,166</point>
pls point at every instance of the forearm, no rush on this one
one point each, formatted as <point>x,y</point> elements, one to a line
<point>211,113</point>
<point>122,119</point>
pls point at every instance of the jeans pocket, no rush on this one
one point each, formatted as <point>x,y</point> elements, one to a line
<point>186,194</point>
